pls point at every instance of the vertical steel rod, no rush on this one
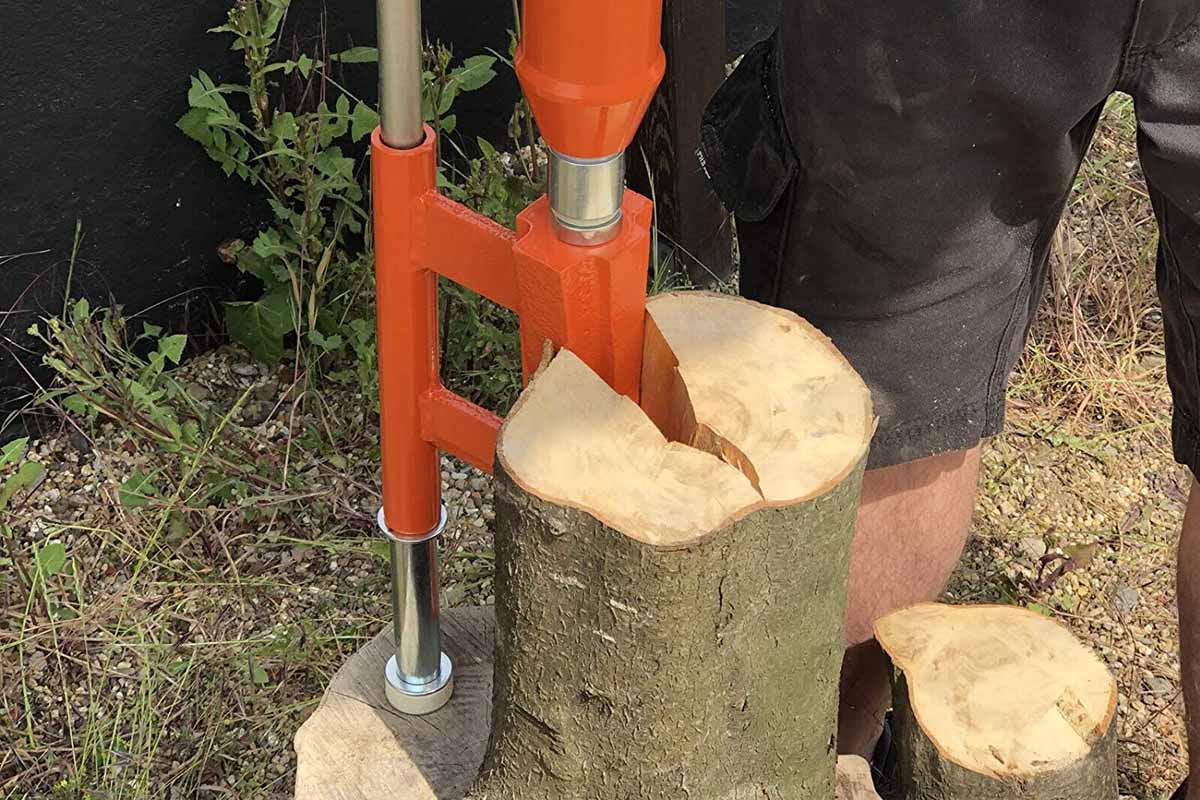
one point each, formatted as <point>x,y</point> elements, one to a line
<point>415,610</point>
<point>399,26</point>
<point>419,677</point>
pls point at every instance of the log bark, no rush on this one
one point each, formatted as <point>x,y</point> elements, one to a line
<point>998,702</point>
<point>670,608</point>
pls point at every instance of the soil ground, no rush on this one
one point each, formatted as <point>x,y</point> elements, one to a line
<point>169,661</point>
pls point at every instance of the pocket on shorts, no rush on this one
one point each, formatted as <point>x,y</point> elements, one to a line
<point>744,147</point>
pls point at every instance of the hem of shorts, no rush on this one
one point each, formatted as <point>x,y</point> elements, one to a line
<point>1185,440</point>
<point>959,429</point>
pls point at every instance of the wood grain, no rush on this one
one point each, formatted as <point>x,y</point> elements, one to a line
<point>355,747</point>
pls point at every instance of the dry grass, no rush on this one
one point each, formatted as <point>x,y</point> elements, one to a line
<point>1095,357</point>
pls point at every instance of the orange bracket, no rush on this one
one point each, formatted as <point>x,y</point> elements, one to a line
<point>588,299</point>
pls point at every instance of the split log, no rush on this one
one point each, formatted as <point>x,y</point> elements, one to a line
<point>998,702</point>
<point>670,579</point>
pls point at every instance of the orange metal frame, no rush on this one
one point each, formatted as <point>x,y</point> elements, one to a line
<point>589,70</point>
<point>589,299</point>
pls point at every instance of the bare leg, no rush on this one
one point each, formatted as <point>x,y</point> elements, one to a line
<point>1188,596</point>
<point>911,530</point>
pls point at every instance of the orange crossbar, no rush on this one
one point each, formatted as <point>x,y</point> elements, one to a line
<point>470,250</point>
<point>460,427</point>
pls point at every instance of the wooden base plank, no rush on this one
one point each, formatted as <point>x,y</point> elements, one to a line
<point>355,747</point>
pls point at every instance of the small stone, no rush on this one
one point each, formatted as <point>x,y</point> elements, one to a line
<point>198,391</point>
<point>1125,600</point>
<point>1032,547</point>
<point>267,391</point>
<point>244,370</point>
<point>256,413</point>
<point>1157,685</point>
<point>79,440</point>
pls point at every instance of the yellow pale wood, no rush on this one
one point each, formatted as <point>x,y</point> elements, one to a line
<point>764,386</point>
<point>1000,690</point>
<point>743,406</point>
<point>573,441</point>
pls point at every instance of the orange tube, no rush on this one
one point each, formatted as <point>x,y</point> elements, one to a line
<point>589,70</point>
<point>406,319</point>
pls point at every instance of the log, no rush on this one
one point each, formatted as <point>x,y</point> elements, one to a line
<point>355,747</point>
<point>670,578</point>
<point>998,702</point>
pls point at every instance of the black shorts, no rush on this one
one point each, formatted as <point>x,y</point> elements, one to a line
<point>897,170</point>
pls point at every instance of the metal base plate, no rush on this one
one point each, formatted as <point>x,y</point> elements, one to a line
<point>418,699</point>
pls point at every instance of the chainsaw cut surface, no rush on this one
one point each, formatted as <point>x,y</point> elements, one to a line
<point>743,406</point>
<point>1001,691</point>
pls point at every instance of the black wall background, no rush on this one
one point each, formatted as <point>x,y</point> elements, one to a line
<point>87,132</point>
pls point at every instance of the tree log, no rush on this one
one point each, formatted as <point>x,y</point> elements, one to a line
<point>670,579</point>
<point>998,702</point>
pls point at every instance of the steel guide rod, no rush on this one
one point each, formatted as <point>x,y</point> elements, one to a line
<point>419,678</point>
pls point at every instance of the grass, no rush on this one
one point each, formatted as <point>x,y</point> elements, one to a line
<point>1095,358</point>
<point>174,655</point>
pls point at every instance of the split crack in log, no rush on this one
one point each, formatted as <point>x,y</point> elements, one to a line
<point>685,562</point>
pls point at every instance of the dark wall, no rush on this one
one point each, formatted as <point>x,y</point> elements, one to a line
<point>87,132</point>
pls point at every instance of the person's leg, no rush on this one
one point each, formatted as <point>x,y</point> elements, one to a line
<point>897,174</point>
<point>1166,97</point>
<point>912,526</point>
<point>1188,597</point>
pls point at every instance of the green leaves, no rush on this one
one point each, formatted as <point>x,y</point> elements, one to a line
<point>258,676</point>
<point>364,120</point>
<point>475,73</point>
<point>213,124</point>
<point>443,85</point>
<point>27,474</point>
<point>171,347</point>
<point>262,324</point>
<point>357,55</point>
<point>13,451</point>
<point>138,489</point>
<point>50,559</point>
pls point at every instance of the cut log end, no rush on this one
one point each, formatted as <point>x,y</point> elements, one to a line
<point>743,406</point>
<point>998,697</point>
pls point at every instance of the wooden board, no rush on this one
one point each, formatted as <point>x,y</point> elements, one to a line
<point>687,210</point>
<point>354,747</point>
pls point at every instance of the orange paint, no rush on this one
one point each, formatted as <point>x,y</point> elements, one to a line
<point>589,70</point>
<point>591,300</point>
